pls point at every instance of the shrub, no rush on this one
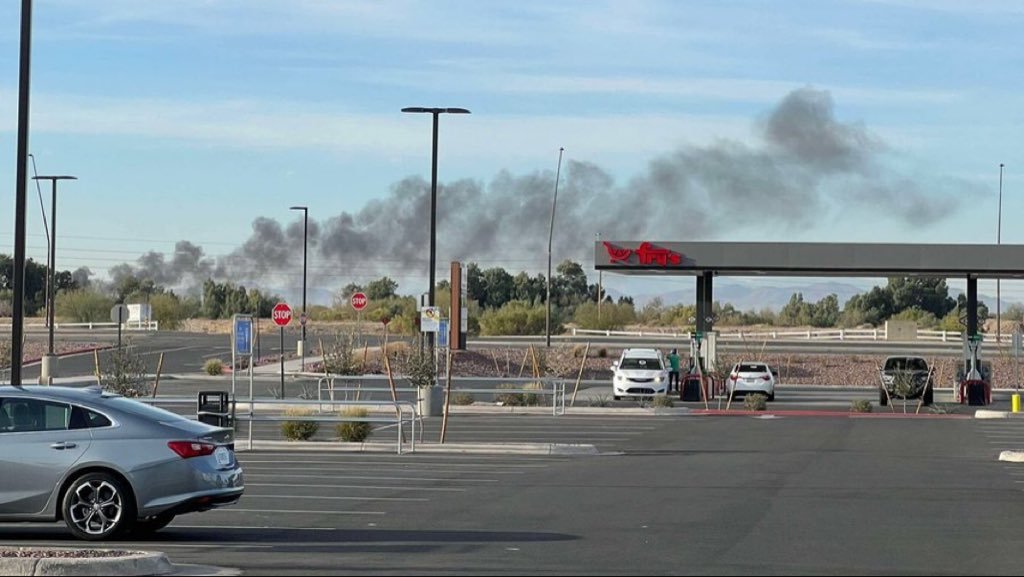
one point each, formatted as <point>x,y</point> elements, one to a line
<point>755,402</point>
<point>354,431</point>
<point>340,356</point>
<point>601,401</point>
<point>83,306</point>
<point>578,350</point>
<point>420,369</point>
<point>602,352</point>
<point>519,399</point>
<point>214,367</point>
<point>515,318</point>
<point>299,430</point>
<point>860,406</point>
<point>463,399</point>
<point>168,310</point>
<point>125,373</point>
<point>662,402</point>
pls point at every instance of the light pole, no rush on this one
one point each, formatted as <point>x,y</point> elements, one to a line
<point>302,319</point>
<point>999,240</point>
<point>46,230</point>
<point>48,369</point>
<point>551,235</point>
<point>20,193</point>
<point>436,112</point>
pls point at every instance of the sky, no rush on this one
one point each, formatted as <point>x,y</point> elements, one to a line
<point>192,127</point>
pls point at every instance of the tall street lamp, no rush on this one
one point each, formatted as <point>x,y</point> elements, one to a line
<point>49,365</point>
<point>999,240</point>
<point>305,237</point>
<point>433,197</point>
<point>551,235</point>
<point>21,194</point>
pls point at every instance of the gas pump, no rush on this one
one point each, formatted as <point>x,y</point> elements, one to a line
<point>974,384</point>
<point>702,358</point>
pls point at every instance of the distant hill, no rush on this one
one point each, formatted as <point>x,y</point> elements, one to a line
<point>745,297</point>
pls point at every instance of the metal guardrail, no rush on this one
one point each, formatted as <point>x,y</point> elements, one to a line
<point>400,418</point>
<point>133,325</point>
<point>811,334</point>
<point>326,384</point>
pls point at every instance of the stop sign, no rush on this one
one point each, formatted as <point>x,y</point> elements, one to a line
<point>282,314</point>
<point>359,301</point>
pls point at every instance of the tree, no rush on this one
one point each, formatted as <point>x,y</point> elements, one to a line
<point>826,312</point>
<point>499,287</point>
<point>571,283</point>
<point>381,289</point>
<point>873,307</point>
<point>928,294</point>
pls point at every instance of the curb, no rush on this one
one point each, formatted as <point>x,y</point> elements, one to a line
<point>425,447</point>
<point>1012,456</point>
<point>138,563</point>
<point>990,414</point>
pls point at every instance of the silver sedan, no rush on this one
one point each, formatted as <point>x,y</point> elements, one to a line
<point>107,465</point>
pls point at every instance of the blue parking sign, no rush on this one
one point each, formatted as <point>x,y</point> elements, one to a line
<point>442,333</point>
<point>243,335</point>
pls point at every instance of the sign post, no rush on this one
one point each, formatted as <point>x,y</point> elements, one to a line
<point>359,302</point>
<point>119,315</point>
<point>282,315</point>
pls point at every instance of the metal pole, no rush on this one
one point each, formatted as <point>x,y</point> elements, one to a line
<point>999,241</point>
<point>53,260</point>
<point>551,235</point>
<point>433,224</point>
<point>282,363</point>
<point>600,289</point>
<point>305,241</point>
<point>20,195</point>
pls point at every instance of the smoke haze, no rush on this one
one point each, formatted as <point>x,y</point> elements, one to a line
<point>805,168</point>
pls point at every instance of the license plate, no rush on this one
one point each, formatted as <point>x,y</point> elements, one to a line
<point>223,456</point>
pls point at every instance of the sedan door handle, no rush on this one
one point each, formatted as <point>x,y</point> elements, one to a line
<point>63,445</point>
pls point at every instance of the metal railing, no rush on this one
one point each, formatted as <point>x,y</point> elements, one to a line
<point>404,412</point>
<point>327,385</point>
<point>806,334</point>
<point>128,326</point>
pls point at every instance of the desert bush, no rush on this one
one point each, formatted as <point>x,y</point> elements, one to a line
<point>340,357</point>
<point>602,352</point>
<point>299,430</point>
<point>83,306</point>
<point>420,369</point>
<point>601,401</point>
<point>755,402</point>
<point>662,402</point>
<point>213,367</point>
<point>515,318</point>
<point>523,399</point>
<point>463,399</point>
<point>860,406</point>
<point>578,350</point>
<point>125,373</point>
<point>354,431</point>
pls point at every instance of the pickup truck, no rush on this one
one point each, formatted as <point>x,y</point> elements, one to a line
<point>915,370</point>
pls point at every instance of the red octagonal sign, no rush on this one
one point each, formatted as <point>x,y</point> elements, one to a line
<point>282,314</point>
<point>359,301</point>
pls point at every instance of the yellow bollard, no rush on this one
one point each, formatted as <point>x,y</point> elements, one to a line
<point>1015,402</point>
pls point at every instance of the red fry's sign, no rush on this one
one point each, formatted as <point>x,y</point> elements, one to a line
<point>646,254</point>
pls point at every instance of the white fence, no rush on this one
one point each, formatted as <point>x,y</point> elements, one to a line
<point>810,334</point>
<point>129,326</point>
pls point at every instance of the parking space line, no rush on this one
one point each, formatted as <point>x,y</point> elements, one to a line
<point>384,478</point>
<point>249,469</point>
<point>251,527</point>
<point>359,487</point>
<point>337,498</point>
<point>419,456</point>
<point>298,511</point>
<point>387,464</point>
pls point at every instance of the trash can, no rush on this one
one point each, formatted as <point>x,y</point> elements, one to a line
<point>690,391</point>
<point>214,408</point>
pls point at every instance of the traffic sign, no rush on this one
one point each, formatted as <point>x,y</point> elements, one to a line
<point>442,333</point>
<point>243,335</point>
<point>359,301</point>
<point>119,314</point>
<point>282,314</point>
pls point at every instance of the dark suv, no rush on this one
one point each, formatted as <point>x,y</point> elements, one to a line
<point>915,371</point>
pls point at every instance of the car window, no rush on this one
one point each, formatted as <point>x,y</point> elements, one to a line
<point>82,418</point>
<point>640,363</point>
<point>752,368</point>
<point>26,415</point>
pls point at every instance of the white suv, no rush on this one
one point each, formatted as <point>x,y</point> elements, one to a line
<point>639,373</point>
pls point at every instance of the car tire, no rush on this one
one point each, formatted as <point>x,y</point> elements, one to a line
<point>771,396</point>
<point>98,506</point>
<point>152,524</point>
<point>929,396</point>
<point>883,399</point>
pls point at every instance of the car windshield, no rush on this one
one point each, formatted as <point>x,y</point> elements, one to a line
<point>641,363</point>
<point>904,364</point>
<point>141,409</point>
<point>752,368</point>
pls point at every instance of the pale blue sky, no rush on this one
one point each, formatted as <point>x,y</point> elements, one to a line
<point>189,120</point>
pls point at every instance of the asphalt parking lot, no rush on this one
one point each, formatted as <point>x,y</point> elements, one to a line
<point>680,494</point>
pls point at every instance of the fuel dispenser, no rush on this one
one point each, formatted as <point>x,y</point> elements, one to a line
<point>697,384</point>
<point>974,377</point>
